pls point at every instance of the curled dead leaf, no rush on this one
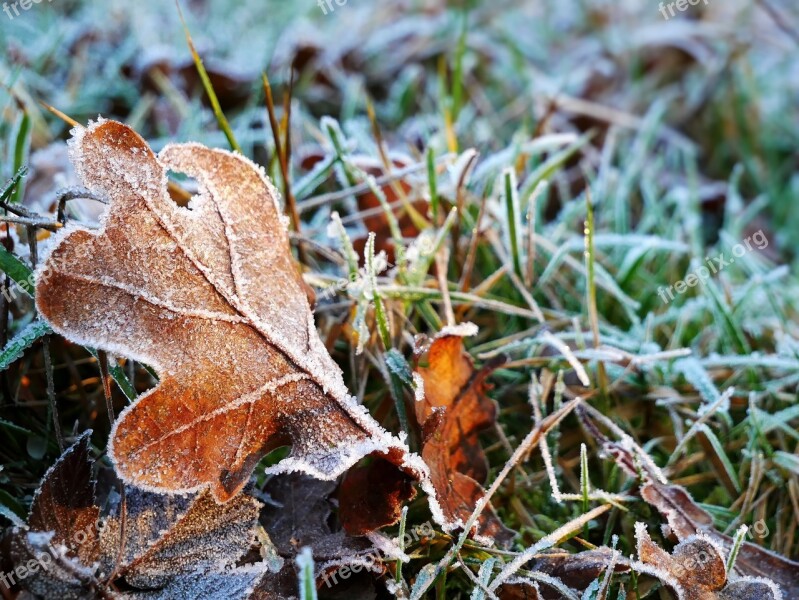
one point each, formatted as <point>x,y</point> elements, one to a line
<point>372,496</point>
<point>299,516</point>
<point>152,545</point>
<point>61,535</point>
<point>454,411</point>
<point>696,570</point>
<point>686,518</point>
<point>64,502</point>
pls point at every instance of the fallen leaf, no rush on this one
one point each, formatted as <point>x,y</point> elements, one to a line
<point>64,502</point>
<point>577,571</point>
<point>695,570</point>
<point>518,590</point>
<point>60,537</point>
<point>299,516</point>
<point>152,545</point>
<point>302,518</point>
<point>686,518</point>
<point>372,497</point>
<point>574,571</point>
<point>236,582</point>
<point>210,297</point>
<point>162,538</point>
<point>454,411</point>
<point>57,574</point>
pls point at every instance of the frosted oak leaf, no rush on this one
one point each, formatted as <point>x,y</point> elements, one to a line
<point>209,296</point>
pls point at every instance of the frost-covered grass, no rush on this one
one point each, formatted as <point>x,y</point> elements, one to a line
<point>664,143</point>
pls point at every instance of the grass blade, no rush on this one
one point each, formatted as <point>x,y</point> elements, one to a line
<point>209,88</point>
<point>21,342</point>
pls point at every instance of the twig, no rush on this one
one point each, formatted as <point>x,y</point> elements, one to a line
<point>74,193</point>
<point>32,222</point>
<point>64,117</point>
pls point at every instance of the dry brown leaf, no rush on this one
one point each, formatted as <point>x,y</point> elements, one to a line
<point>455,409</point>
<point>518,590</point>
<point>686,518</point>
<point>64,503</point>
<point>61,534</point>
<point>577,571</point>
<point>695,570</point>
<point>210,297</point>
<point>161,538</point>
<point>299,516</point>
<point>372,496</point>
<point>163,547</point>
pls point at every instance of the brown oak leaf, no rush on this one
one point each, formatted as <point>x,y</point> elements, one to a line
<point>454,411</point>
<point>209,296</point>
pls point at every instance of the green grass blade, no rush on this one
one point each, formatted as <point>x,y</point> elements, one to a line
<point>512,211</point>
<point>17,270</point>
<point>12,184</point>
<point>432,183</point>
<point>21,342</point>
<point>718,449</point>
<point>20,154</point>
<point>307,582</point>
<point>209,88</point>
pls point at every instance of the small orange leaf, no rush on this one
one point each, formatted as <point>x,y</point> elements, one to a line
<point>452,447</point>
